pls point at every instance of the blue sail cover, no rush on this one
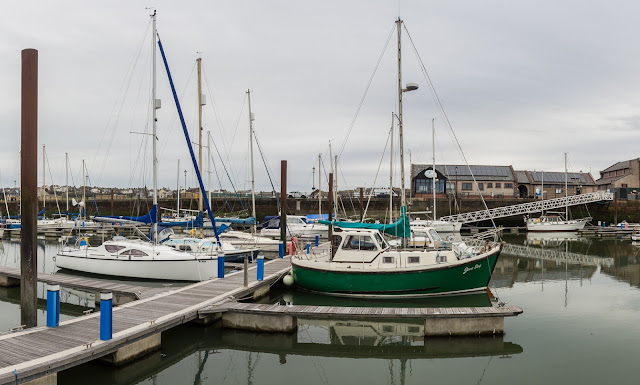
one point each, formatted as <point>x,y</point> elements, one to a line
<point>400,228</point>
<point>198,221</point>
<point>150,217</point>
<point>40,214</point>
<point>238,221</point>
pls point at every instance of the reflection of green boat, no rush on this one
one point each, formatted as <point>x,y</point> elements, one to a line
<point>362,264</point>
<point>210,344</point>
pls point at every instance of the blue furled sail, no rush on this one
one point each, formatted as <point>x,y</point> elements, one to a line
<point>150,217</point>
<point>186,136</point>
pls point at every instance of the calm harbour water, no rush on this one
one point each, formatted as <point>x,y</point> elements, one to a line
<point>580,326</point>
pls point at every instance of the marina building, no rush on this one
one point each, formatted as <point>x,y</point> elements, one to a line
<point>622,177</point>
<point>497,182</point>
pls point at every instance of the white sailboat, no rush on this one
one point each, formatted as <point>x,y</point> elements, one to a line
<point>556,221</point>
<point>136,258</point>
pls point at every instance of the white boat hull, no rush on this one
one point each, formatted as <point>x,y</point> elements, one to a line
<point>571,225</point>
<point>172,270</point>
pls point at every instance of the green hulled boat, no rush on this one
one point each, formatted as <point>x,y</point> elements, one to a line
<point>361,263</point>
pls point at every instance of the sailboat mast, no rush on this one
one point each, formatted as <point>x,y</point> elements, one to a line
<point>178,190</point>
<point>336,204</point>
<point>209,166</point>
<point>400,90</point>
<point>391,173</point>
<point>433,180</point>
<point>566,192</point>
<point>199,61</point>
<point>319,189</point>
<point>155,128</point>
<point>44,194</point>
<point>66,154</point>
<point>253,182</point>
<point>84,191</point>
<point>331,183</point>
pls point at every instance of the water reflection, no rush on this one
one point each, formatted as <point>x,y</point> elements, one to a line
<point>214,355</point>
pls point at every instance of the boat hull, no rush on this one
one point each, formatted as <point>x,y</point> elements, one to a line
<point>548,227</point>
<point>173,270</point>
<point>465,277</point>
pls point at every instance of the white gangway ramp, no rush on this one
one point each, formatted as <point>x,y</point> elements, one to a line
<point>530,207</point>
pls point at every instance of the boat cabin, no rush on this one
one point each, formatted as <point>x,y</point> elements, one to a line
<point>357,245</point>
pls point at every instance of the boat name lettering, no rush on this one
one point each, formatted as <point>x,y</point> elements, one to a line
<point>467,269</point>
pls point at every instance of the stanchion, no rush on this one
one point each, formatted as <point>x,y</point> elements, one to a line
<point>53,305</point>
<point>260,269</point>
<point>106,316</point>
<point>246,271</point>
<point>220,266</point>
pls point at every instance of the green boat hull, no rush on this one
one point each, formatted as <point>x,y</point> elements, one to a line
<point>466,277</point>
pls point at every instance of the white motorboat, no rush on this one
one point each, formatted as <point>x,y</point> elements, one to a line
<point>137,259</point>
<point>211,247</point>
<point>556,223</point>
<point>439,226</point>
<point>297,226</point>
<point>244,240</point>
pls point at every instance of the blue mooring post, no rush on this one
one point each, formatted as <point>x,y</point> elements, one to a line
<point>308,247</point>
<point>220,266</point>
<point>317,240</point>
<point>260,269</point>
<point>281,249</point>
<point>604,224</point>
<point>106,316</point>
<point>53,305</point>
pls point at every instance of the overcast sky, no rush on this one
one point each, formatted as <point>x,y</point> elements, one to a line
<point>521,83</point>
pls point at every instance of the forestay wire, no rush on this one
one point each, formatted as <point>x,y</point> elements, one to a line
<point>446,117</point>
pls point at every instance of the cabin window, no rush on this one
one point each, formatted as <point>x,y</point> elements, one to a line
<point>387,260</point>
<point>336,240</point>
<point>113,248</point>
<point>441,258</point>
<point>359,242</point>
<point>381,241</point>
<point>184,248</point>
<point>414,259</point>
<point>135,253</point>
<point>434,235</point>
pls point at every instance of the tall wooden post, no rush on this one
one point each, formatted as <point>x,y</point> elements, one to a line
<point>111,201</point>
<point>283,203</point>
<point>29,188</point>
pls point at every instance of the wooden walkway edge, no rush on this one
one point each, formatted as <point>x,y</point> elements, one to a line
<point>41,351</point>
<point>332,312</point>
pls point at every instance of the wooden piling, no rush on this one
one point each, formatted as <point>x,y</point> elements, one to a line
<point>29,189</point>
<point>283,203</point>
<point>361,204</point>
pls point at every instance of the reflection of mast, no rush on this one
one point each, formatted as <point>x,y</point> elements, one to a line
<point>566,275</point>
<point>201,362</point>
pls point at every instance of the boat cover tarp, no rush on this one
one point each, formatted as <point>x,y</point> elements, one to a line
<point>150,217</point>
<point>399,229</point>
<point>238,221</point>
